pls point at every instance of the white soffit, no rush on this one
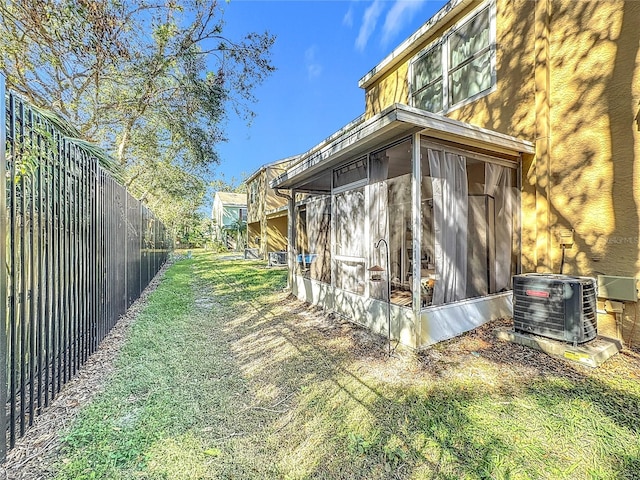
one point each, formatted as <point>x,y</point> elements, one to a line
<point>445,128</point>
<point>360,138</point>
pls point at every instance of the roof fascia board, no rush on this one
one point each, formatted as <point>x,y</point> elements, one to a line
<point>266,166</point>
<point>446,128</point>
<point>353,131</point>
<point>401,119</point>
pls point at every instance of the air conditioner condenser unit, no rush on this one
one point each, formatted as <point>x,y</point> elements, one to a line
<point>561,307</point>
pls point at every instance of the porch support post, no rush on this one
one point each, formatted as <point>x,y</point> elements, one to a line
<point>3,277</point>
<point>416,227</point>
<point>291,238</point>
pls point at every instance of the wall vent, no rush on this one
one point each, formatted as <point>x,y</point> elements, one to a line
<point>561,307</point>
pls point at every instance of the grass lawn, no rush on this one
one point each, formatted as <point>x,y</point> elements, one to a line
<point>226,376</point>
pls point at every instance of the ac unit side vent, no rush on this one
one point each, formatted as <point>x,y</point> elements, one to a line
<point>561,307</point>
<point>277,258</point>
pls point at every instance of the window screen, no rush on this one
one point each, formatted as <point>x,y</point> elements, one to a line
<point>468,70</point>
<point>427,80</point>
<point>350,173</point>
<point>470,58</point>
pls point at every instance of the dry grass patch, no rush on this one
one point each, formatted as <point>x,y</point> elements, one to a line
<point>226,376</point>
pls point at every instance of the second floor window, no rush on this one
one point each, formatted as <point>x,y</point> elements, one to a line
<point>457,68</point>
<point>427,80</point>
<point>470,58</point>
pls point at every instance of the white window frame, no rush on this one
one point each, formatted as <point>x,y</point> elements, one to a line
<point>253,192</point>
<point>412,90</point>
<point>442,43</point>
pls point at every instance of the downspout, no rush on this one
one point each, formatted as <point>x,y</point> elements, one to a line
<point>290,233</point>
<point>3,276</point>
<point>283,195</point>
<point>542,75</point>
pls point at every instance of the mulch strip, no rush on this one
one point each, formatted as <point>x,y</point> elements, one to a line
<point>36,453</point>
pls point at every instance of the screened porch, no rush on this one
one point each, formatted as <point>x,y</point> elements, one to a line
<point>425,227</point>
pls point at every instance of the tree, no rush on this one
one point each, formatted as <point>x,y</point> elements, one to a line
<point>150,82</point>
<point>234,185</point>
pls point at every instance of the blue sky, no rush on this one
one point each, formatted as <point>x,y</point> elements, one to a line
<point>322,50</point>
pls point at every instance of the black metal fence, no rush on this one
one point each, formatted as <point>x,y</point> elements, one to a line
<point>78,251</point>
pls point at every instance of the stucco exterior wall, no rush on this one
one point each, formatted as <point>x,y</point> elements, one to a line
<point>253,233</point>
<point>595,147</point>
<point>272,231</point>
<point>273,201</point>
<point>256,208</point>
<point>277,233</point>
<point>390,89</point>
<point>510,108</point>
<point>568,77</point>
<point>394,86</point>
<point>507,109</point>
<point>594,166</point>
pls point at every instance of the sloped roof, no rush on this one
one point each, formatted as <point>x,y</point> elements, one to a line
<point>393,122</point>
<point>229,198</point>
<point>283,163</point>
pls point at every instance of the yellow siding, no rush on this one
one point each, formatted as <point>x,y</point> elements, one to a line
<point>253,233</point>
<point>509,108</point>
<point>392,88</point>
<point>568,78</point>
<point>256,210</point>
<point>273,201</point>
<point>595,147</point>
<point>277,233</point>
<point>271,232</point>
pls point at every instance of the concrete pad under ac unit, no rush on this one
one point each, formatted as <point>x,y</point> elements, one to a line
<point>591,354</point>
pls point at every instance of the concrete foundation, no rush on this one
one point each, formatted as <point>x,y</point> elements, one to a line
<point>592,354</point>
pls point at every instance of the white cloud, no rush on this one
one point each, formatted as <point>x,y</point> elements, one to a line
<point>397,17</point>
<point>347,20</point>
<point>314,68</point>
<point>369,20</point>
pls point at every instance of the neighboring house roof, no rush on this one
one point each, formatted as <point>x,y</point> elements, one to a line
<point>283,163</point>
<point>228,198</point>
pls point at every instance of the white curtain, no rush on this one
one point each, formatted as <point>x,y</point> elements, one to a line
<point>379,219</point>
<point>498,185</point>
<point>450,218</point>
<point>319,237</point>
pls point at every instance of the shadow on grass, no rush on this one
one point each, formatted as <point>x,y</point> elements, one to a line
<point>431,430</point>
<point>262,386</point>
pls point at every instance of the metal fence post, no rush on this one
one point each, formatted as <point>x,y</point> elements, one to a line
<point>3,276</point>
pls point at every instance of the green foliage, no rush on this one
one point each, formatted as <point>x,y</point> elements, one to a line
<point>174,391</point>
<point>195,234</point>
<point>152,83</point>
<point>234,185</point>
<point>358,445</point>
